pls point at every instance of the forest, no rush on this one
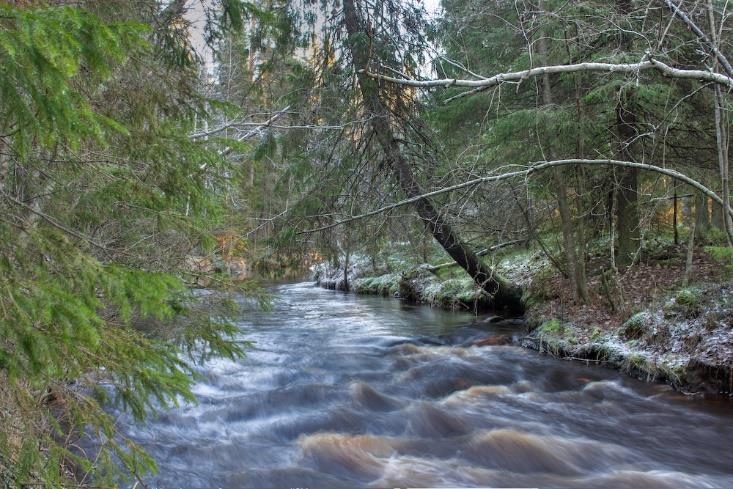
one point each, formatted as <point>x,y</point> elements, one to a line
<point>522,182</point>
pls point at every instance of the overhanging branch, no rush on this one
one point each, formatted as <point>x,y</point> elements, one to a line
<point>680,14</point>
<point>518,76</point>
<point>529,170</point>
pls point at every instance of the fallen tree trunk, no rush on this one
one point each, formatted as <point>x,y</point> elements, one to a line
<point>484,252</point>
<point>505,295</point>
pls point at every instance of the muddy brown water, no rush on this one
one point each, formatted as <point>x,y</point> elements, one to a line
<point>341,391</point>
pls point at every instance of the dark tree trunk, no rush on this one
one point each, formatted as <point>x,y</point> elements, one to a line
<point>560,176</point>
<point>505,295</point>
<point>675,219</point>
<point>702,214</point>
<point>717,216</point>
<point>346,270</point>
<point>627,207</point>
<point>627,216</point>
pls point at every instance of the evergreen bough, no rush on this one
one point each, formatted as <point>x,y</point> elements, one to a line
<point>102,193</point>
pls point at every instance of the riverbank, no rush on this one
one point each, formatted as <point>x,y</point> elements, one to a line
<point>341,391</point>
<point>660,331</point>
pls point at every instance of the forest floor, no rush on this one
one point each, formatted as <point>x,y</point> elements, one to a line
<point>643,321</point>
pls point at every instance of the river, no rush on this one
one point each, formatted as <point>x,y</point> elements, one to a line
<point>342,391</point>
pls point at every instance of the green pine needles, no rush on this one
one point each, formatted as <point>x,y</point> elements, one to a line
<point>43,52</point>
<point>102,195</point>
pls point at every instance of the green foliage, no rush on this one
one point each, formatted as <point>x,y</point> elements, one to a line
<point>385,285</point>
<point>636,326</point>
<point>542,288</point>
<point>557,334</point>
<point>98,215</point>
<point>688,301</point>
<point>596,334</point>
<point>453,291</point>
<point>553,327</point>
<point>638,364</point>
<point>42,53</point>
<point>723,255</point>
<point>716,237</point>
<point>266,148</point>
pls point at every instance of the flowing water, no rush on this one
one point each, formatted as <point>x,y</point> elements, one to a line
<point>342,391</point>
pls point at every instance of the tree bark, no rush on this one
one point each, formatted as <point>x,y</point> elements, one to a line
<point>587,67</point>
<point>559,176</point>
<point>504,294</point>
<point>627,208</point>
<point>627,216</point>
<point>484,252</point>
<point>722,143</point>
<point>721,133</point>
<point>581,241</point>
<point>581,224</point>
<point>690,254</point>
<point>702,213</point>
<point>627,205</point>
<point>675,218</point>
<point>716,216</point>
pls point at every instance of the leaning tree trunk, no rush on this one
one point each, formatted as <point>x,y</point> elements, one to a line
<point>505,295</point>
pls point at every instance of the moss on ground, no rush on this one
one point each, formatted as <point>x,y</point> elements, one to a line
<point>385,285</point>
<point>688,301</point>
<point>686,343</point>
<point>453,293</point>
<point>636,326</point>
<point>677,335</point>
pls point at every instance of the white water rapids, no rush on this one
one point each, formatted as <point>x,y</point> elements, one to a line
<point>341,391</point>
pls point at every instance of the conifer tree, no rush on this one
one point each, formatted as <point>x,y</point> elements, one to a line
<point>102,195</point>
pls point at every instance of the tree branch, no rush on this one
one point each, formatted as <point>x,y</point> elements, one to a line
<point>517,76</point>
<point>530,169</point>
<point>53,222</point>
<point>239,125</point>
<point>248,134</point>
<point>680,14</point>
